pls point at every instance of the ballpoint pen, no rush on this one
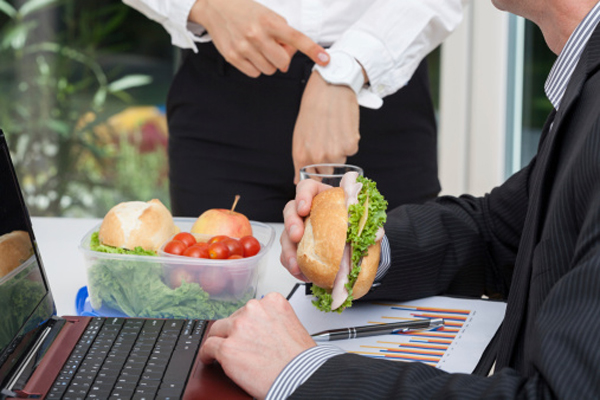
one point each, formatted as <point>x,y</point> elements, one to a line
<point>378,329</point>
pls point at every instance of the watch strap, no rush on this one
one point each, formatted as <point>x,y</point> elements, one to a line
<point>368,99</point>
<point>342,69</point>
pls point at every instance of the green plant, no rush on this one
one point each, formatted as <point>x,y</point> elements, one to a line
<point>55,94</point>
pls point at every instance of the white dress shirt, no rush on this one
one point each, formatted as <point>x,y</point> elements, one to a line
<point>388,37</point>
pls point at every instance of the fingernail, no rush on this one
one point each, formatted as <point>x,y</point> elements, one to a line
<point>322,56</point>
<point>301,204</point>
<point>292,264</point>
<point>293,229</point>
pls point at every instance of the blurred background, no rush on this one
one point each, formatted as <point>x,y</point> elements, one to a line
<point>83,85</point>
<point>82,91</point>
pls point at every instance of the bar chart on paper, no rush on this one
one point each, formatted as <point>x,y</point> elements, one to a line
<point>469,325</point>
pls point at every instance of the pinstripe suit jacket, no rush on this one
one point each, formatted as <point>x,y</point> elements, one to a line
<point>534,241</point>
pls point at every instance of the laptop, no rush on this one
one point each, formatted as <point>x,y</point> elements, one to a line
<point>79,357</point>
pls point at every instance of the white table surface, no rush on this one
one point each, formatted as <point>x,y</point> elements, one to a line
<point>58,240</point>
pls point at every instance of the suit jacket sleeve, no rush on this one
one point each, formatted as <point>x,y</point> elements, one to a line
<point>462,246</point>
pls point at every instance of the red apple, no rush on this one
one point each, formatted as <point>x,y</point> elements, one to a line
<point>220,221</point>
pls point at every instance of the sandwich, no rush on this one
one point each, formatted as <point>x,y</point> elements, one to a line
<point>15,249</point>
<point>340,249</point>
<point>137,225</point>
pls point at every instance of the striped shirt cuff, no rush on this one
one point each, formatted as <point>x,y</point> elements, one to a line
<point>300,369</point>
<point>385,260</point>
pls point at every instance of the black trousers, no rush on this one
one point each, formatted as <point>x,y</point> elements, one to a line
<point>230,134</point>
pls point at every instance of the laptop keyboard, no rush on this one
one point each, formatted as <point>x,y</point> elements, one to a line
<point>128,358</point>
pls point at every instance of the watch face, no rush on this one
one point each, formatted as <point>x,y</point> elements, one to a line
<point>343,69</point>
<point>341,66</point>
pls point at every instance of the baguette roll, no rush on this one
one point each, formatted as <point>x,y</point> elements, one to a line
<point>137,224</point>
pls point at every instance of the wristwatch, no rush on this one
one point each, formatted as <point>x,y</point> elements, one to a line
<point>343,69</point>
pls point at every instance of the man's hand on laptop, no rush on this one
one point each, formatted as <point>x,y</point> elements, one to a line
<point>256,342</point>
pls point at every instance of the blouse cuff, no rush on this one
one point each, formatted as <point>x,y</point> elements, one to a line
<point>374,57</point>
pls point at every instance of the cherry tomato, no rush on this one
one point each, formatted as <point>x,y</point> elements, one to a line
<point>218,238</point>
<point>187,238</point>
<point>197,251</point>
<point>213,280</point>
<point>251,245</point>
<point>235,247</point>
<point>202,249</point>
<point>234,257</point>
<point>176,247</point>
<point>218,250</point>
<point>178,276</point>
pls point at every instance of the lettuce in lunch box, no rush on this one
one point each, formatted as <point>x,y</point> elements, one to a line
<point>95,245</point>
<point>137,289</point>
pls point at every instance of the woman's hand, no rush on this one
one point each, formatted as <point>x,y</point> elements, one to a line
<point>253,38</point>
<point>326,130</point>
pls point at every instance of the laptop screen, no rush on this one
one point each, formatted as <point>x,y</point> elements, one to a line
<point>25,300</point>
